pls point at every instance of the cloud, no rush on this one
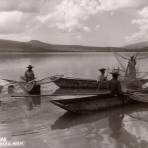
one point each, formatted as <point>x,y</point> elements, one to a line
<point>29,6</point>
<point>17,16</point>
<point>109,5</point>
<point>144,12</point>
<point>14,22</point>
<point>97,26</point>
<point>16,36</point>
<point>71,14</point>
<point>142,23</point>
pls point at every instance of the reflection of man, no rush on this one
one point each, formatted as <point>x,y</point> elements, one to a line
<point>115,124</point>
<point>29,74</point>
<point>122,136</point>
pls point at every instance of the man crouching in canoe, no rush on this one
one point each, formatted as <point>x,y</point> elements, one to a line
<point>115,86</point>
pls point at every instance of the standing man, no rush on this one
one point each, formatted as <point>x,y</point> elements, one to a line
<point>131,68</point>
<point>102,78</point>
<point>29,74</point>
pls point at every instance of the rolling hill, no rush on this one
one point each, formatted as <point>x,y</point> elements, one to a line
<point>38,46</point>
<point>139,45</point>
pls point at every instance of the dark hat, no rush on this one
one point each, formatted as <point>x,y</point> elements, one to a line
<point>102,69</point>
<point>30,66</point>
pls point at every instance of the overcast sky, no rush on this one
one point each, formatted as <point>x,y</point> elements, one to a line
<point>85,22</point>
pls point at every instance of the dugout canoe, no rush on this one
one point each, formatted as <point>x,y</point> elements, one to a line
<point>76,83</point>
<point>85,103</point>
<point>69,82</point>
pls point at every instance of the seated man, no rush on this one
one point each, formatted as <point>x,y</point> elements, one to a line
<point>102,79</point>
<point>115,86</point>
<point>29,74</point>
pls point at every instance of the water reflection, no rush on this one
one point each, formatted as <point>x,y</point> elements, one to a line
<point>122,137</point>
<point>116,123</point>
<point>69,120</point>
<point>102,128</point>
<point>32,102</point>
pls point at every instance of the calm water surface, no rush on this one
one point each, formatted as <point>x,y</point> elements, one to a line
<point>51,127</point>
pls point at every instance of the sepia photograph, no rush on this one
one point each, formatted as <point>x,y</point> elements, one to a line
<point>74,73</point>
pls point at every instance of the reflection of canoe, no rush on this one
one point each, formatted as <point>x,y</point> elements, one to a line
<point>83,103</point>
<point>76,83</point>
<point>69,120</point>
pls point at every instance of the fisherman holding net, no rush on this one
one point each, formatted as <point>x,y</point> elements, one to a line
<point>131,68</point>
<point>130,77</point>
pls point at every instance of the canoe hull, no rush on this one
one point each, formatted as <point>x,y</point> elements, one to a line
<point>92,84</point>
<point>36,90</point>
<point>76,83</point>
<point>90,103</point>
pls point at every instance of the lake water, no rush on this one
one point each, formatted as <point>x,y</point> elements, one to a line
<point>51,127</point>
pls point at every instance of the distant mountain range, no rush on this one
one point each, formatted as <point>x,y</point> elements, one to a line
<point>140,45</point>
<point>38,46</point>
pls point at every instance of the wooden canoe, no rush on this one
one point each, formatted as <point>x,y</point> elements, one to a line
<point>89,83</point>
<point>76,83</point>
<point>85,103</point>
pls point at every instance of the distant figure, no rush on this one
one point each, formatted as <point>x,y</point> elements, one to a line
<point>131,68</point>
<point>29,74</point>
<point>102,79</point>
<point>115,85</point>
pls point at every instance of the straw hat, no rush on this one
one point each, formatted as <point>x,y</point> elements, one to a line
<point>115,72</point>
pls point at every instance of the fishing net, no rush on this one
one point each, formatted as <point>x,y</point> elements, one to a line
<point>140,57</point>
<point>49,79</point>
<point>132,80</point>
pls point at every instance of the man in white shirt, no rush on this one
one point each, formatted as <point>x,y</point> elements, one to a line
<point>102,78</point>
